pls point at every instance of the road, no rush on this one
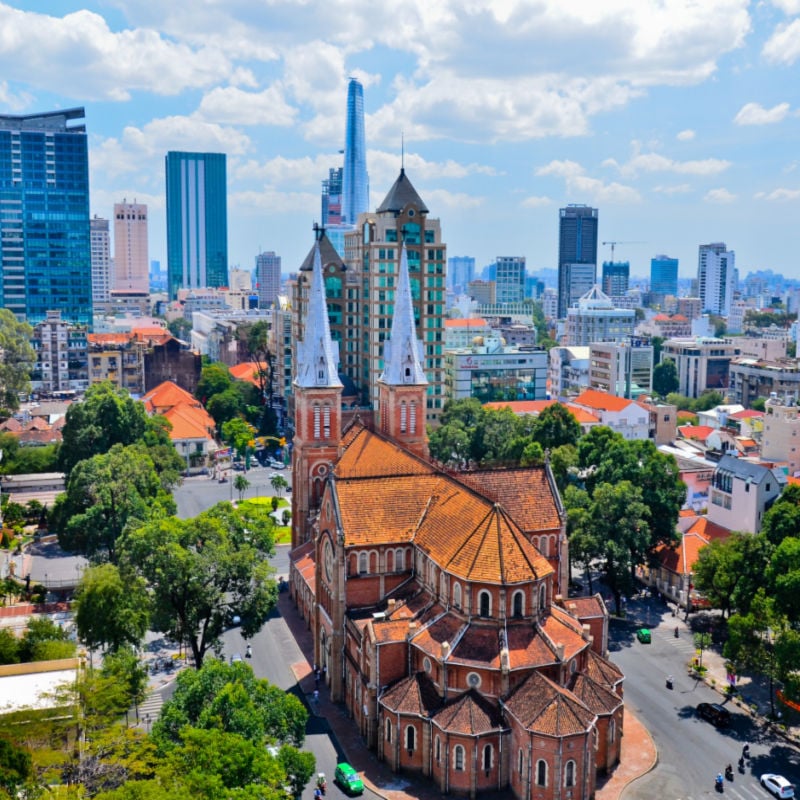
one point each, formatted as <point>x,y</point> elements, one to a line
<point>691,751</point>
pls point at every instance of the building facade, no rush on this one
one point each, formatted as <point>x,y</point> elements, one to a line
<point>331,199</point>
<point>751,378</point>
<point>131,259</point>
<point>433,600</point>
<point>663,277</point>
<point>616,277</point>
<point>703,363</point>
<point>355,180</point>
<point>61,356</point>
<point>577,254</point>
<point>460,273</point>
<point>268,278</point>
<point>510,279</point>
<point>44,217</point>
<point>595,319</point>
<point>780,438</point>
<point>116,357</point>
<point>569,370</point>
<point>716,278</point>
<point>197,220</point>
<point>622,368</point>
<point>102,265</point>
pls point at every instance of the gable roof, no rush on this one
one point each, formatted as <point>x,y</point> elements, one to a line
<point>468,322</point>
<point>749,471</point>
<point>168,395</point>
<point>602,401</point>
<point>415,694</point>
<point>246,371</point>
<point>535,407</point>
<point>697,432</point>
<point>596,697</point>
<point>470,714</point>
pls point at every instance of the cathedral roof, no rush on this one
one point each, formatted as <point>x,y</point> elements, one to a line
<point>327,252</point>
<point>594,696</point>
<point>366,454</point>
<point>542,706</point>
<point>470,714</point>
<point>402,194</point>
<point>602,670</point>
<point>413,695</point>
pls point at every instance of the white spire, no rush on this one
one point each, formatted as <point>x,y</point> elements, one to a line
<point>317,354</point>
<point>402,352</point>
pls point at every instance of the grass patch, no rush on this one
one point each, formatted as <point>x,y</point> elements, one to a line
<point>283,534</point>
<point>266,501</point>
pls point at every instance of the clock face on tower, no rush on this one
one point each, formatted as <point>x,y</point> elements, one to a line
<point>327,559</point>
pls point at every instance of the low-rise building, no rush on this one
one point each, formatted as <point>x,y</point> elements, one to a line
<point>780,439</point>
<point>533,408</point>
<point>768,348</point>
<point>622,368</point>
<point>663,421</point>
<point>702,363</point>
<point>568,371</point>
<point>625,417</point>
<point>61,356</point>
<point>118,358</point>
<point>459,333</point>
<point>751,378</point>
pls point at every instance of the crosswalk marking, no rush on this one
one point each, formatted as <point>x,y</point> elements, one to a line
<point>150,709</point>
<point>741,792</point>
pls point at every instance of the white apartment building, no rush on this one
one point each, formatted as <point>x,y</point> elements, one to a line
<point>102,265</point>
<point>594,319</point>
<point>702,363</point>
<point>622,368</point>
<point>131,260</point>
<point>716,277</point>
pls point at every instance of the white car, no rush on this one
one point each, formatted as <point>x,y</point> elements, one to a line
<point>275,464</point>
<point>777,785</point>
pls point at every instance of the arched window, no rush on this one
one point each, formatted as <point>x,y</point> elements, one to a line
<point>411,735</point>
<point>518,603</point>
<point>362,563</point>
<point>541,772</point>
<point>487,757</point>
<point>438,749</point>
<point>399,560</point>
<point>542,597</point>
<point>520,761</point>
<point>326,422</point>
<point>317,424</point>
<point>403,417</point>
<point>484,603</point>
<point>388,730</point>
<point>457,595</point>
<point>569,774</point>
<point>612,730</point>
<point>458,758</point>
<point>544,546</point>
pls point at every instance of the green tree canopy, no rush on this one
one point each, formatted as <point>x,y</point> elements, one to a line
<point>214,379</point>
<point>783,518</point>
<point>201,571</point>
<point>18,358</point>
<point>665,378</point>
<point>556,426</point>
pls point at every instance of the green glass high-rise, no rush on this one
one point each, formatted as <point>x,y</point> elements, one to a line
<point>197,220</point>
<point>45,250</point>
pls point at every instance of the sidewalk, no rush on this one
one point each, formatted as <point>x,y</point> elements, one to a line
<point>638,750</point>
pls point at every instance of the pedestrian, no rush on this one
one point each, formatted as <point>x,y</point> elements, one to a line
<point>315,697</point>
<point>316,680</point>
<point>324,671</point>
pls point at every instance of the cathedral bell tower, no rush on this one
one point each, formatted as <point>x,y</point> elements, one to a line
<point>402,386</point>
<point>318,408</point>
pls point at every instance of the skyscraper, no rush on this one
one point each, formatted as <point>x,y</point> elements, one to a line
<point>663,276</point>
<point>716,277</point>
<point>44,216</point>
<point>616,277</point>
<point>197,220</point>
<point>332,198</point>
<point>130,248</point>
<point>510,279</point>
<point>102,276</point>
<point>460,271</point>
<point>355,181</point>
<point>268,278</point>
<point>577,254</point>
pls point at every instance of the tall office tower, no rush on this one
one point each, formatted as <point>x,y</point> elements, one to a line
<point>100,248</point>
<point>355,181</point>
<point>332,198</point>
<point>45,251</point>
<point>663,276</point>
<point>130,248</point>
<point>577,254</point>
<point>616,277</point>
<point>268,278</point>
<point>510,279</point>
<point>197,220</point>
<point>716,278</point>
<point>460,272</point>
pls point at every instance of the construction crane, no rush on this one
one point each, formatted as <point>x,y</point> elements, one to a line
<point>615,243</point>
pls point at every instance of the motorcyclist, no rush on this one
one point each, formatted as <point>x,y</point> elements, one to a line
<point>719,780</point>
<point>746,751</point>
<point>249,651</point>
<point>729,772</point>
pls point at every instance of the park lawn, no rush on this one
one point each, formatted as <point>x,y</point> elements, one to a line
<point>283,533</point>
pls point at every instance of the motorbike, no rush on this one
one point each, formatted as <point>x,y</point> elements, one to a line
<point>719,783</point>
<point>669,682</point>
<point>741,764</point>
<point>729,772</point>
<point>677,633</point>
<point>322,784</point>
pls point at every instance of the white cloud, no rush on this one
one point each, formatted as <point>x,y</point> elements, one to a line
<point>756,114</point>
<point>655,162</point>
<point>579,184</point>
<point>720,196</point>
<point>536,202</point>
<point>783,47</point>
<point>14,101</point>
<point>236,107</point>
<point>270,200</point>
<point>779,195</point>
<point>441,198</point>
<point>685,136</point>
<point>787,6</point>
<point>681,188</point>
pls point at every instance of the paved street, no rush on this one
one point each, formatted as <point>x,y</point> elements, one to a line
<point>691,751</point>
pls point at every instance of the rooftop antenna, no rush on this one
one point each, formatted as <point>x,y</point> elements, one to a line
<point>402,151</point>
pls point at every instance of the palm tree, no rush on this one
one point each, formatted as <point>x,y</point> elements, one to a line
<point>241,484</point>
<point>279,483</point>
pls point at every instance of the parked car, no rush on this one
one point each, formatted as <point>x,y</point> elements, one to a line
<point>716,714</point>
<point>275,464</point>
<point>348,779</point>
<point>777,785</point>
<point>236,657</point>
<point>643,635</point>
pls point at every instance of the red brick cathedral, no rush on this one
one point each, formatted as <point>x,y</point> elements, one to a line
<point>436,598</point>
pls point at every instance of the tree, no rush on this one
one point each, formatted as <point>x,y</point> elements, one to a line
<point>203,570</point>
<point>702,641</point>
<point>180,328</point>
<point>450,444</point>
<point>298,765</point>
<point>225,406</point>
<point>257,339</point>
<point>18,358</point>
<point>104,495</point>
<point>665,378</point>
<point>44,640</point>
<point>214,379</point>
<point>278,483</point>
<point>111,611</point>
<point>241,484</point>
<point>556,426</point>
<point>107,416</point>
<point>783,517</point>
<point>230,698</point>
<point>783,578</point>
<point>16,768</point>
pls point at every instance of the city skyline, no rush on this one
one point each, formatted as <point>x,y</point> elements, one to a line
<point>624,127</point>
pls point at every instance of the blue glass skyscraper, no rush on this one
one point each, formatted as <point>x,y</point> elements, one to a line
<point>664,276</point>
<point>355,181</point>
<point>44,216</point>
<point>197,220</point>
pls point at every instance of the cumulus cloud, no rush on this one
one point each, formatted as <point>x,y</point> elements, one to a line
<point>578,184</point>
<point>787,6</point>
<point>441,198</point>
<point>720,196</point>
<point>655,162</point>
<point>236,107</point>
<point>536,202</point>
<point>783,47</point>
<point>271,200</point>
<point>685,136</point>
<point>680,188</point>
<point>779,195</point>
<point>756,114</point>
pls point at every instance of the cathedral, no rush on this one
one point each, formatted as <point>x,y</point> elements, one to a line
<point>438,599</point>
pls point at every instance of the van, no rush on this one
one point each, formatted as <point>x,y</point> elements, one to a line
<point>718,716</point>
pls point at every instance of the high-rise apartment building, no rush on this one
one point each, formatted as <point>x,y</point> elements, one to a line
<point>616,277</point>
<point>577,254</point>
<point>131,259</point>
<point>460,272</point>
<point>510,279</point>
<point>268,278</point>
<point>44,216</point>
<point>197,220</point>
<point>716,278</point>
<point>595,319</point>
<point>663,276</point>
<point>332,198</point>
<point>355,181</point>
<point>61,356</point>
<point>102,265</point>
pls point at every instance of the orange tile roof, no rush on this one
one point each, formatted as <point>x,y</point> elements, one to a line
<point>168,395</point>
<point>561,632</point>
<point>748,413</point>
<point>698,432</point>
<point>596,697</point>
<point>603,671</point>
<point>680,558</point>
<point>471,714</point>
<point>189,422</point>
<point>432,636</point>
<point>368,455</point>
<point>108,339</point>
<point>602,401</point>
<point>479,645</point>
<point>586,607</point>
<point>472,322</point>
<point>709,529</point>
<point>415,694</point>
<point>389,631</point>
<point>246,371</point>
<point>686,415</point>
<point>527,648</point>
<point>535,407</point>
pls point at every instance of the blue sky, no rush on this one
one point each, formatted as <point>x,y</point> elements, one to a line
<point>678,119</point>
